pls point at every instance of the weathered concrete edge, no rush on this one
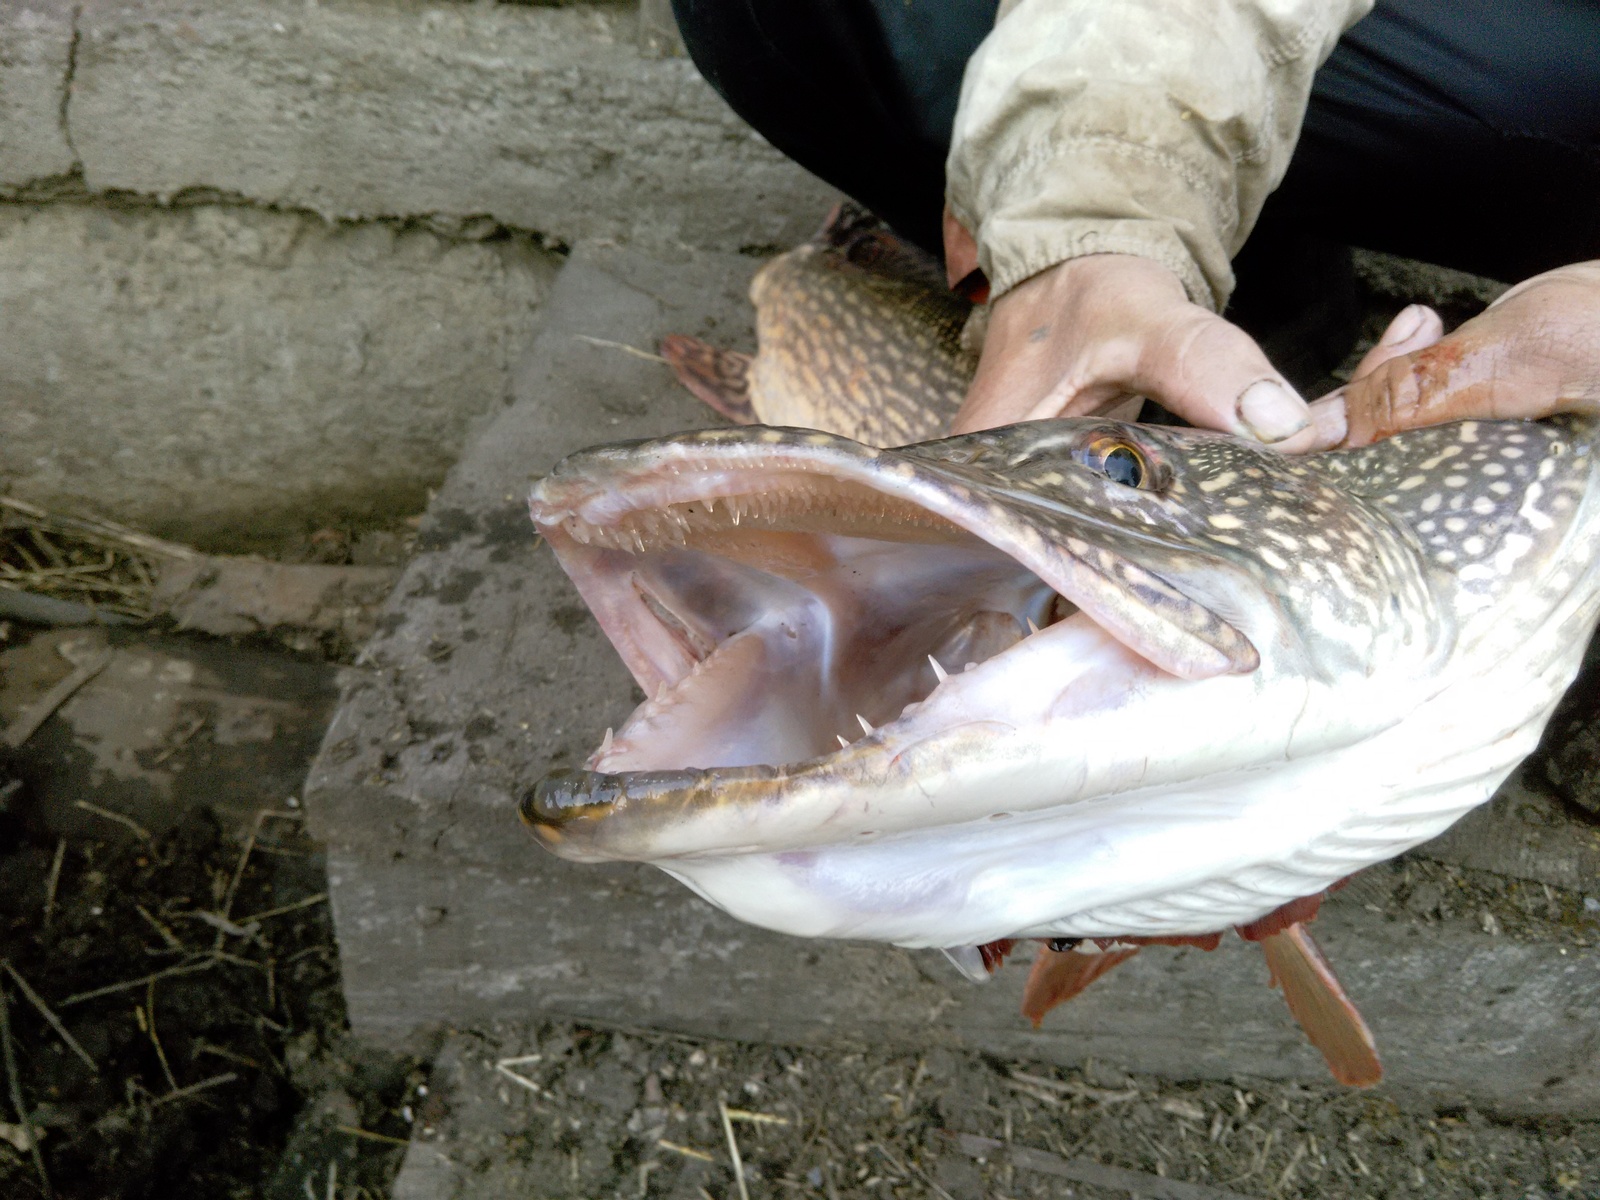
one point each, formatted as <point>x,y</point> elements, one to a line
<point>1510,1026</point>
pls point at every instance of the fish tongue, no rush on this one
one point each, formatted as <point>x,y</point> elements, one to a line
<point>752,701</point>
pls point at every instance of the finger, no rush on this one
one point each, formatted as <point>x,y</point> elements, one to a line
<point>960,249</point>
<point>1329,420</point>
<point>1212,374</point>
<point>1421,388</point>
<point>1414,327</point>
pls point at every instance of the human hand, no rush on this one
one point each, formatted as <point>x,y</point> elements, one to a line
<point>1092,333</point>
<point>1532,353</point>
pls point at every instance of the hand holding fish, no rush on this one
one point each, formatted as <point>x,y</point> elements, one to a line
<point>1533,353</point>
<point>1093,332</point>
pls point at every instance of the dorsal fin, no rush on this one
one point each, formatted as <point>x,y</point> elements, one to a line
<point>719,377</point>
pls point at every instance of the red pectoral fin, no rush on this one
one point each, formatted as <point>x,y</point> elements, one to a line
<point>719,377</point>
<point>1059,975</point>
<point>1320,1005</point>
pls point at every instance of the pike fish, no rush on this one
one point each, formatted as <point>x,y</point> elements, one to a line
<point>1093,683</point>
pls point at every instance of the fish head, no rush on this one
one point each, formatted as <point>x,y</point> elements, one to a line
<point>1027,680</point>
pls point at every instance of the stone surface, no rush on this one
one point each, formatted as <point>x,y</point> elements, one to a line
<point>169,724</point>
<point>549,120</point>
<point>1525,833</point>
<point>219,374</point>
<point>35,56</point>
<point>489,671</point>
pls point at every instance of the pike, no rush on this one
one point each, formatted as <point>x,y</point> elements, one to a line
<point>1092,683</point>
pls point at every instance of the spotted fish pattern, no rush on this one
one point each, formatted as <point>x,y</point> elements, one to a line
<point>857,333</point>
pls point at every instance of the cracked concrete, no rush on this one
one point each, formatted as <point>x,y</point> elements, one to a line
<point>546,120</point>
<point>402,167</point>
<point>36,42</point>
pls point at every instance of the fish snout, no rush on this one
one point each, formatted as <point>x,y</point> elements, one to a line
<point>592,816</point>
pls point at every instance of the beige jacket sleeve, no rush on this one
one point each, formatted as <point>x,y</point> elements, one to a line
<point>1149,127</point>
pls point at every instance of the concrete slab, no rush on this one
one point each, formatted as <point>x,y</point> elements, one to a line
<point>222,374</point>
<point>488,671</point>
<point>35,63</point>
<point>546,119</point>
<point>167,725</point>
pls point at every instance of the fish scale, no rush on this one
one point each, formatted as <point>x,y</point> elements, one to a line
<point>877,358</point>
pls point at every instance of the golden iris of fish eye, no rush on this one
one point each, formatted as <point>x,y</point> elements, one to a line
<point>1119,461</point>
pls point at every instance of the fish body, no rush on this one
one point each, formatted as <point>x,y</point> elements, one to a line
<point>856,334</point>
<point>1253,675</point>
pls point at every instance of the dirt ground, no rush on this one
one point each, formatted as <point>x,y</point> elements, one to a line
<point>595,1113</point>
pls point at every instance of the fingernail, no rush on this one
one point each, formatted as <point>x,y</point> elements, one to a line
<point>1272,412</point>
<point>1328,415</point>
<point>1405,325</point>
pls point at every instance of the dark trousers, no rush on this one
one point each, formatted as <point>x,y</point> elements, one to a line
<point>1461,132</point>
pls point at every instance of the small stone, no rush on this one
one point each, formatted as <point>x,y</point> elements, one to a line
<point>1490,923</point>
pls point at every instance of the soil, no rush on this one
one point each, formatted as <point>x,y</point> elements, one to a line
<point>159,897</point>
<point>571,1111</point>
<point>209,1046</point>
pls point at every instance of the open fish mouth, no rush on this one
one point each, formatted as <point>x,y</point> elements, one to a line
<point>1072,679</point>
<point>810,617</point>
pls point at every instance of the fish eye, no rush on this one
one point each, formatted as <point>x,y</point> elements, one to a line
<point>1119,461</point>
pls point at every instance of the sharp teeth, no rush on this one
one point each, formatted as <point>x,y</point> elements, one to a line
<point>1032,628</point>
<point>843,742</point>
<point>605,743</point>
<point>938,671</point>
<point>866,727</point>
<point>661,692</point>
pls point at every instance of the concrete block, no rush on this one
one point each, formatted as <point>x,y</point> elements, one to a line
<point>545,119</point>
<point>36,46</point>
<point>1524,833</point>
<point>222,374</point>
<point>488,671</point>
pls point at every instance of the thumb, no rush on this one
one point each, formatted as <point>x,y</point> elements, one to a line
<point>1415,327</point>
<point>1212,374</point>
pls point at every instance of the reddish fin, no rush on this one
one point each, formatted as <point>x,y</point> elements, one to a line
<point>994,953</point>
<point>719,377</point>
<point>1320,1005</point>
<point>1296,912</point>
<point>1059,975</point>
